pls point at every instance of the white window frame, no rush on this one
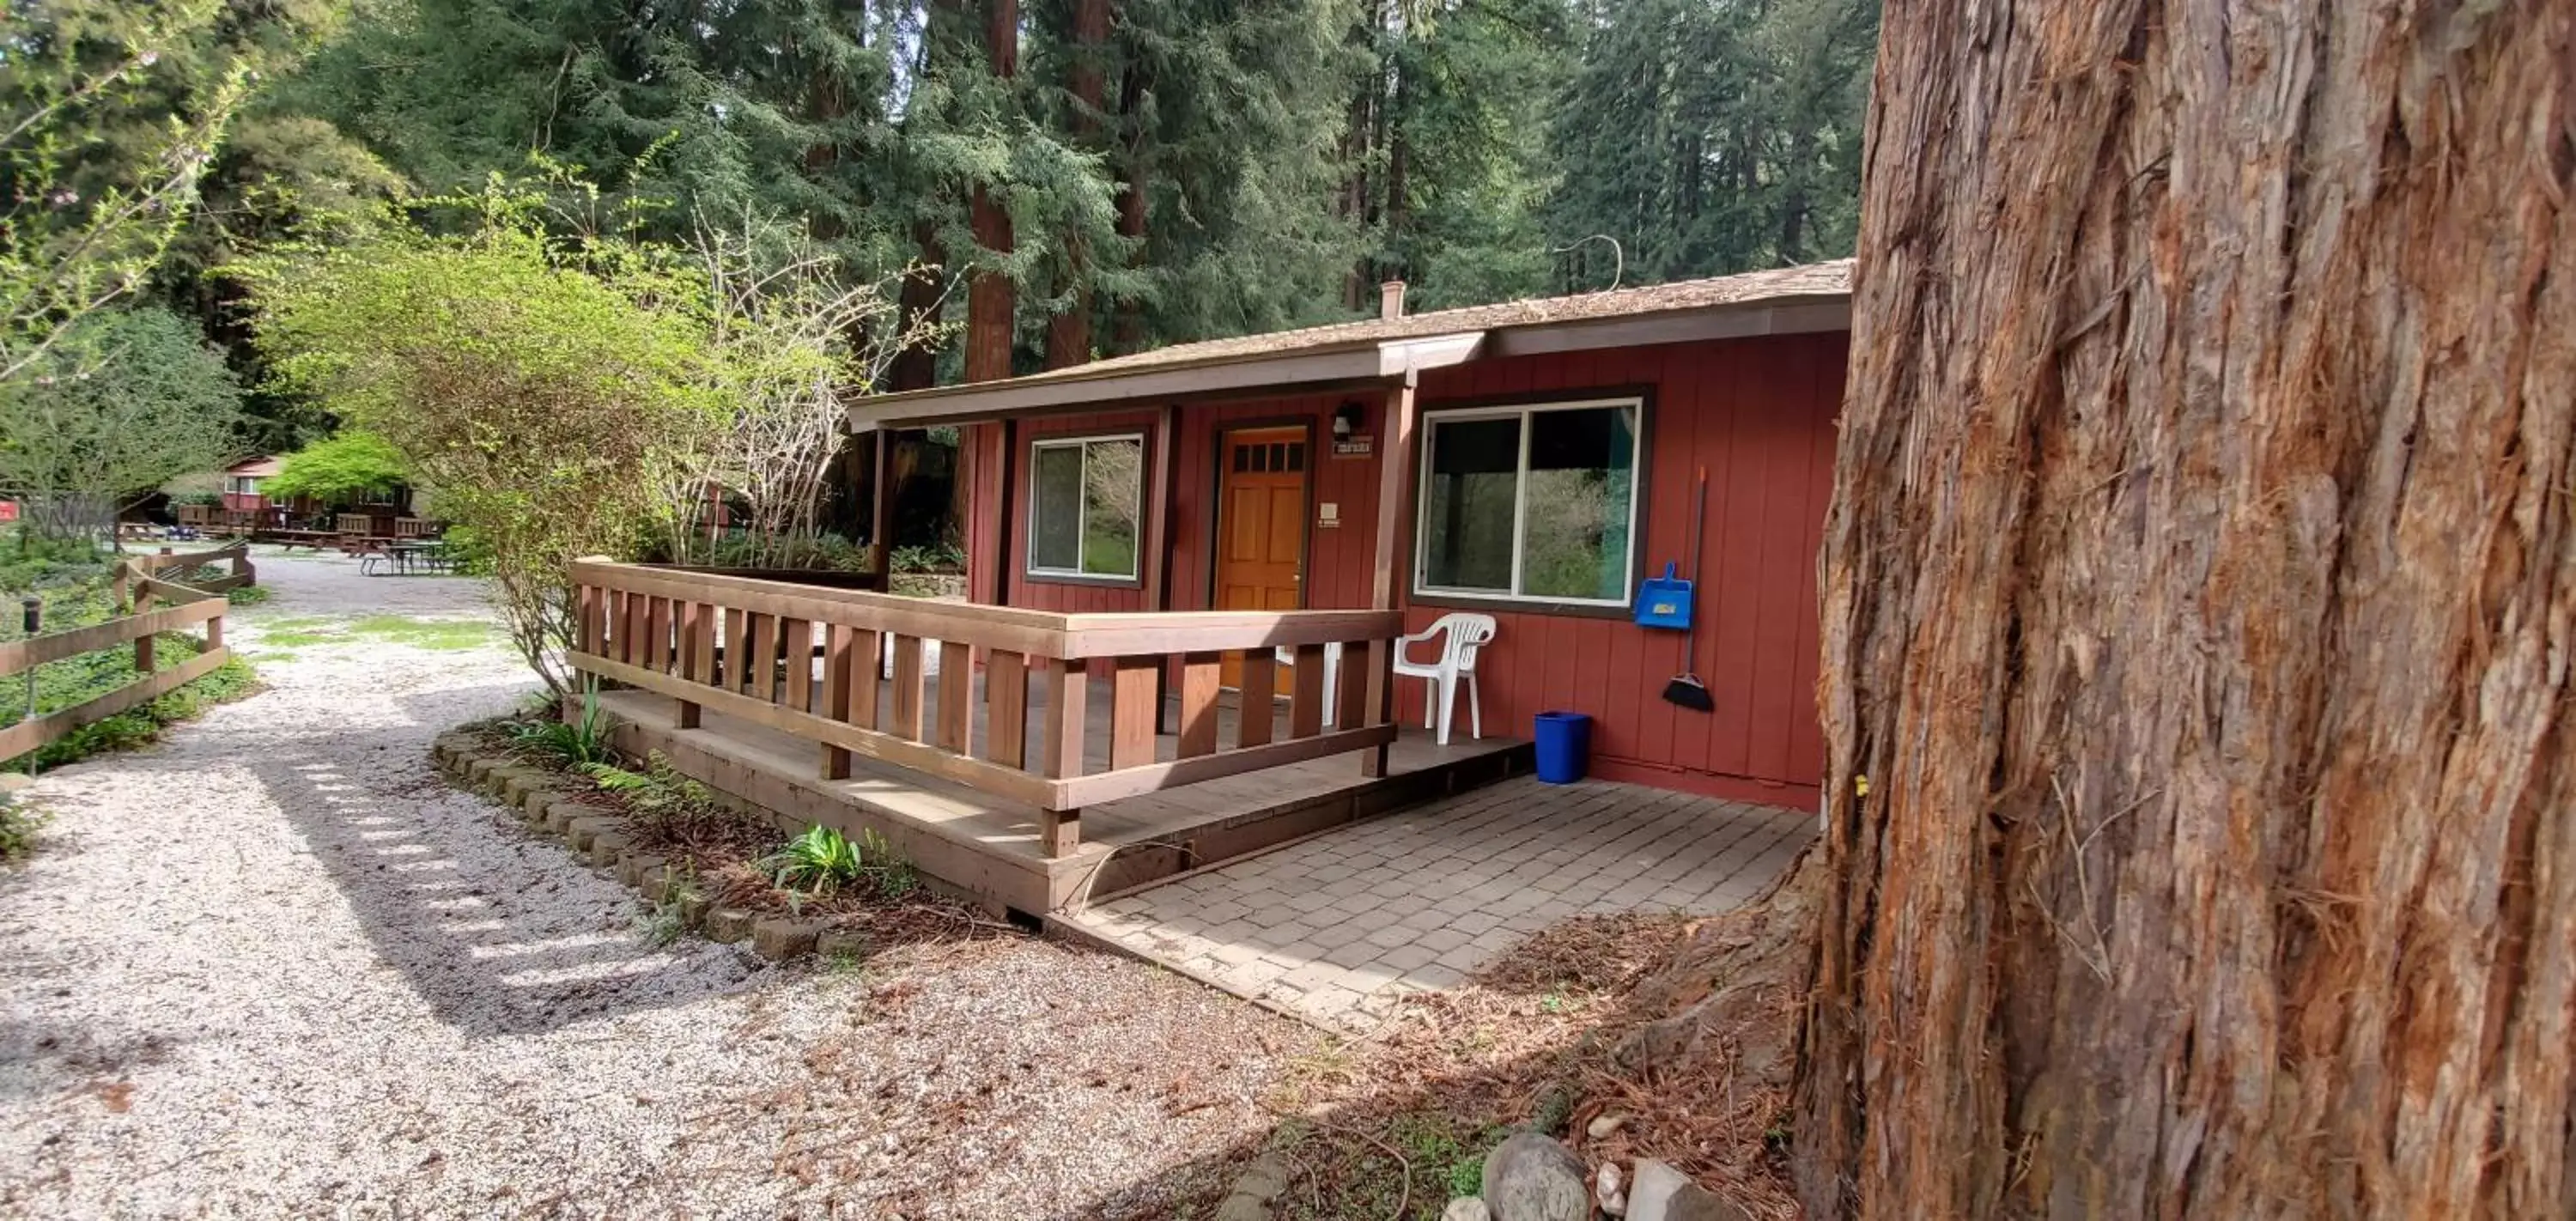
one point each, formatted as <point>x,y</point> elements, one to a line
<point>1082,444</point>
<point>1422,586</point>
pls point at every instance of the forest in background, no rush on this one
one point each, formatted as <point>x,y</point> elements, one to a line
<point>1060,179</point>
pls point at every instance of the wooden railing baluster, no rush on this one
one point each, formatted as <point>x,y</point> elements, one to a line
<point>1197,729</point>
<point>1134,712</point>
<point>956,727</point>
<point>907,687</point>
<point>1253,710</point>
<point>836,694</point>
<point>796,651</point>
<point>1006,718</point>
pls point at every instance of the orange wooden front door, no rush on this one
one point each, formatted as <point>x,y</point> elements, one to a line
<point>1261,525</point>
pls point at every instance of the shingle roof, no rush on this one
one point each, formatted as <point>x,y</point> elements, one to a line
<point>1831,279</point>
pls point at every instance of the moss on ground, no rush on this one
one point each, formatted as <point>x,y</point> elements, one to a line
<point>440,635</point>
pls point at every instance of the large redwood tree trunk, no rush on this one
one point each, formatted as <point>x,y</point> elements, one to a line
<point>2200,600</point>
<point>991,303</point>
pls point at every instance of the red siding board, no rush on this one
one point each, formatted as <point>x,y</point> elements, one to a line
<point>1758,413</point>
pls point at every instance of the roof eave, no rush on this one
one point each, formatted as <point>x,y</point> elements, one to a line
<point>1383,361</point>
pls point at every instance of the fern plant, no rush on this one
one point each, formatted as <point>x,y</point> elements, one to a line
<point>582,744</point>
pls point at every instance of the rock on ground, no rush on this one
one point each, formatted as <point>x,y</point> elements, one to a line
<point>273,967</point>
<point>1530,1177</point>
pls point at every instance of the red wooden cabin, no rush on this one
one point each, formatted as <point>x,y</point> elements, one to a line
<point>1165,551</point>
<point>1263,462</point>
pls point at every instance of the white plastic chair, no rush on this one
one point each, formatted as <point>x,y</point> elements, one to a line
<point>1466,633</point>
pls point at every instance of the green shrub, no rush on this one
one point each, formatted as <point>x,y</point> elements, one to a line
<point>18,826</point>
<point>946,557</point>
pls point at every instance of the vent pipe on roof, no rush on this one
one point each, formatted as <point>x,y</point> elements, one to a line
<point>1390,299</point>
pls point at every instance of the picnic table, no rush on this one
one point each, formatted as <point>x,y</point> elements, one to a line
<point>404,557</point>
<point>291,539</point>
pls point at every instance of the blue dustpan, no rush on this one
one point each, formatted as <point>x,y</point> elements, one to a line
<point>1665,601</point>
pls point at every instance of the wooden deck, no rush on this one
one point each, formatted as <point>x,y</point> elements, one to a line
<point>989,846</point>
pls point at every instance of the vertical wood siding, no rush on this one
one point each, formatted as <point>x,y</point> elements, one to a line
<point>1757,413</point>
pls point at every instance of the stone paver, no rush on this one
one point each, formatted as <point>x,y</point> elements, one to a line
<point>1339,926</point>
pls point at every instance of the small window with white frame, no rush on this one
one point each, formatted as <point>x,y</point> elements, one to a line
<point>1533,503</point>
<point>1086,507</point>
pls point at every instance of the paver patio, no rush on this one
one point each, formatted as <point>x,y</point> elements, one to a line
<point>1337,927</point>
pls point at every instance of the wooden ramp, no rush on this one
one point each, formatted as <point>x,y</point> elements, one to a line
<point>988,846</point>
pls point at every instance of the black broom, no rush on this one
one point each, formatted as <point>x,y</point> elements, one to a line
<point>1685,689</point>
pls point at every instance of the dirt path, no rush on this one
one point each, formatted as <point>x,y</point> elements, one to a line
<point>273,967</point>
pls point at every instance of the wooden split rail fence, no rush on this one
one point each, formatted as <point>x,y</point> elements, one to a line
<point>138,584</point>
<point>810,661</point>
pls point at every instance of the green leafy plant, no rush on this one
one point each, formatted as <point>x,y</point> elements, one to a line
<point>18,827</point>
<point>946,557</point>
<point>580,743</point>
<point>663,801</point>
<point>341,469</point>
<point>819,862</point>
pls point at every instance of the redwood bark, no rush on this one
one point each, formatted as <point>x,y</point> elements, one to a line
<point>990,300</point>
<point>1069,331</point>
<point>2200,595</point>
<point>1127,326</point>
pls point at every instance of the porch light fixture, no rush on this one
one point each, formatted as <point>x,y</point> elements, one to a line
<point>1346,419</point>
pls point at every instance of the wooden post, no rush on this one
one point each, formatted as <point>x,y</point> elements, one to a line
<point>1059,831</point>
<point>214,633</point>
<point>1253,711</point>
<point>955,729</point>
<point>881,519</point>
<point>1156,562</point>
<point>1006,704</point>
<point>1394,536</point>
<point>1068,703</point>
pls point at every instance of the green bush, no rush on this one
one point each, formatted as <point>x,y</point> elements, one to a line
<point>18,826</point>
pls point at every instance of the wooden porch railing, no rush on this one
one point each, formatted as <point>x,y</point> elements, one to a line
<point>809,661</point>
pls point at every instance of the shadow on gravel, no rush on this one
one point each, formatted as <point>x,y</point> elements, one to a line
<point>499,932</point>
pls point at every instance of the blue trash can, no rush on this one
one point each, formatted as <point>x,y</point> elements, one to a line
<point>1564,741</point>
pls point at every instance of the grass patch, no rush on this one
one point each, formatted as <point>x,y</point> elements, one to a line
<point>437,635</point>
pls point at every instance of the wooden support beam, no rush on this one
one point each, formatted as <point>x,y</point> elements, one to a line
<point>1394,561</point>
<point>881,515</point>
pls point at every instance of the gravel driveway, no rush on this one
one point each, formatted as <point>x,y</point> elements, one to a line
<point>273,967</point>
